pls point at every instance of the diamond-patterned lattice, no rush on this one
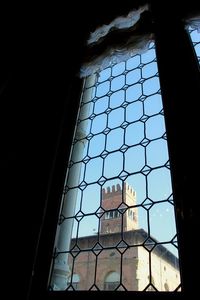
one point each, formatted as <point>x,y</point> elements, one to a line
<point>125,87</point>
<point>147,203</point>
<point>122,246</point>
<point>96,140</point>
<point>122,208</point>
<point>95,99</point>
<point>124,124</point>
<point>104,154</point>
<point>79,216</point>
<point>108,110</point>
<point>141,65</point>
<point>89,136</point>
<point>146,170</point>
<point>92,116</point>
<point>144,118</point>
<point>109,93</point>
<point>145,142</point>
<point>75,251</point>
<point>99,212</point>
<point>123,175</point>
<point>102,180</point>
<point>141,80</point>
<point>86,159</point>
<point>149,244</point>
<point>124,148</point>
<point>97,249</point>
<point>125,104</point>
<point>106,130</point>
<point>142,98</point>
<point>83,185</point>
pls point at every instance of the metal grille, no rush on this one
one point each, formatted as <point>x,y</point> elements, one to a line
<point>118,212</point>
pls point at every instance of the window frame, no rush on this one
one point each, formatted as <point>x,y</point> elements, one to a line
<point>183,73</point>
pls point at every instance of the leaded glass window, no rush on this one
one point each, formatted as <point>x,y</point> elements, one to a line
<point>117,211</point>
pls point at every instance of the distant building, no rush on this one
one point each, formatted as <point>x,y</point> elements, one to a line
<point>120,256</point>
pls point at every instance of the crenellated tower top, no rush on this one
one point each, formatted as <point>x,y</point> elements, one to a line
<point>119,202</point>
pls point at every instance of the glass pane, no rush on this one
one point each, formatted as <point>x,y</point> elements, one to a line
<point>134,111</point>
<point>99,140</point>
<point>153,105</point>
<point>133,76</point>
<point>111,160</point>
<point>149,70</point>
<point>101,105</point>
<point>133,93</point>
<point>134,133</point>
<point>103,89</point>
<point>117,83</point>
<point>118,69</point>
<point>99,123</point>
<point>117,228</point>
<point>91,199</point>
<point>154,157</point>
<point>104,75</point>
<point>114,139</point>
<point>116,118</point>
<point>134,159</point>
<point>116,99</point>
<point>133,62</point>
<point>93,164</point>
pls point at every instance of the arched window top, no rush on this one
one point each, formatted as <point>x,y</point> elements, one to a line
<point>112,277</point>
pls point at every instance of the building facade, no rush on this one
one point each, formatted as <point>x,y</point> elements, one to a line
<point>121,256</point>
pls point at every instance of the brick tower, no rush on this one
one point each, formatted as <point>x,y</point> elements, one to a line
<point>120,215</point>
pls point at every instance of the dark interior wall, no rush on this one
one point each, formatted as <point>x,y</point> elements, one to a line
<point>36,67</point>
<point>42,50</point>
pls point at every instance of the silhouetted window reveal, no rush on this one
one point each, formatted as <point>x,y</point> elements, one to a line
<point>118,191</point>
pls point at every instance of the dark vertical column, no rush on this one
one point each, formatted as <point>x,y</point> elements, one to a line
<point>180,85</point>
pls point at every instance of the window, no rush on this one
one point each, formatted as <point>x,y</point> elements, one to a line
<point>119,167</point>
<point>124,103</point>
<point>112,214</point>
